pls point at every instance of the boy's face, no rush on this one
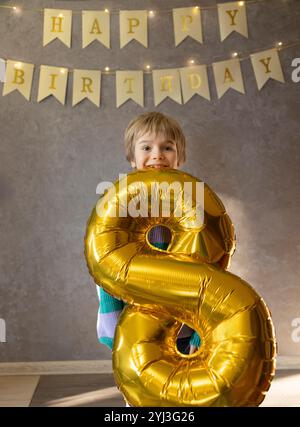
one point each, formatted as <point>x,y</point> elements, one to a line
<point>155,151</point>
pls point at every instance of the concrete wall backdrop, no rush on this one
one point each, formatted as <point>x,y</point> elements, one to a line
<point>246,147</point>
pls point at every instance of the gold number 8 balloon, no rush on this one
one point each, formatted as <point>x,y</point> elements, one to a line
<point>185,284</point>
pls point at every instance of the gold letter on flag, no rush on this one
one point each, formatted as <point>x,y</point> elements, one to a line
<point>228,74</point>
<point>266,65</point>
<point>133,26</point>
<point>194,81</point>
<point>18,77</point>
<point>86,84</point>
<point>166,83</point>
<point>187,22</point>
<point>130,85</point>
<point>95,26</point>
<point>53,81</point>
<point>57,24</point>
<point>232,17</point>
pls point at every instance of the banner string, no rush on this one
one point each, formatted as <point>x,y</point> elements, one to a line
<point>18,9</point>
<point>148,69</point>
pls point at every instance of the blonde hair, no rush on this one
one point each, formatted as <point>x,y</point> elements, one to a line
<point>154,122</point>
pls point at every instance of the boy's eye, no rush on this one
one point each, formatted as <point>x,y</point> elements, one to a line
<point>167,148</point>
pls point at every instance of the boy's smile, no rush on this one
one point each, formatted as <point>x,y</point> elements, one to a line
<point>155,152</point>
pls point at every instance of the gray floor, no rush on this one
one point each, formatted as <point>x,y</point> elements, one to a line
<point>77,390</point>
<point>100,390</point>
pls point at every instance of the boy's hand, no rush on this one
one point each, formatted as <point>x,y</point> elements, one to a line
<point>193,348</point>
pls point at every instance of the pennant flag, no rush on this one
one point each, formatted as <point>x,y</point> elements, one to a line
<point>18,77</point>
<point>57,24</point>
<point>130,85</point>
<point>53,81</point>
<point>2,69</point>
<point>187,22</point>
<point>133,26</point>
<point>86,84</point>
<point>166,83</point>
<point>194,81</point>
<point>95,26</point>
<point>266,65</point>
<point>232,17</point>
<point>228,74</point>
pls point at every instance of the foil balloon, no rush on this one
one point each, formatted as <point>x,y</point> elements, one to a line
<point>185,284</point>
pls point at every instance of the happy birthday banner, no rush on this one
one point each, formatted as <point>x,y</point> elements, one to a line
<point>134,24</point>
<point>232,17</point>
<point>179,84</point>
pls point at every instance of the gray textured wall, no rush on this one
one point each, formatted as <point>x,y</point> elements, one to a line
<point>246,147</point>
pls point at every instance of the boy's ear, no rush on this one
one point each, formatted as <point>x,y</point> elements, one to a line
<point>133,164</point>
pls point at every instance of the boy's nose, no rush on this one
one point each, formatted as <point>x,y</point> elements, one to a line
<point>157,155</point>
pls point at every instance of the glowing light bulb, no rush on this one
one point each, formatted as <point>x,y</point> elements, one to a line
<point>241,3</point>
<point>151,13</point>
<point>234,54</point>
<point>106,68</point>
<point>106,10</point>
<point>17,10</point>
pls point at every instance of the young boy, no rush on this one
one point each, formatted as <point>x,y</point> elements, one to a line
<point>152,140</point>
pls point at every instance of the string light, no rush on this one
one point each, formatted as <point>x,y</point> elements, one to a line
<point>17,10</point>
<point>234,54</point>
<point>192,61</point>
<point>151,13</point>
<point>117,11</point>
